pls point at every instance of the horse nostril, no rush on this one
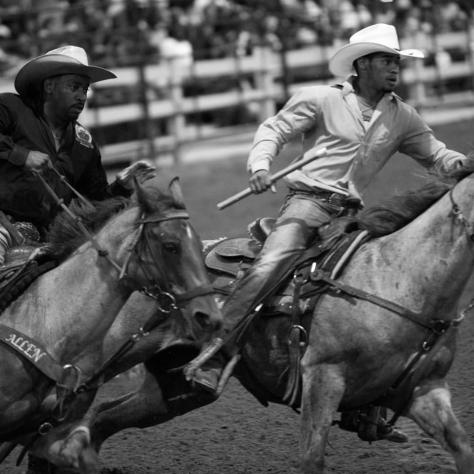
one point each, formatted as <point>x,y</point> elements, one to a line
<point>207,322</point>
<point>202,319</point>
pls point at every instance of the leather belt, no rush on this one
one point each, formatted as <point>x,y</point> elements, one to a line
<point>337,199</point>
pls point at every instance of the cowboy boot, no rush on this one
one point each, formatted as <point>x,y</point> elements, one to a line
<point>208,375</point>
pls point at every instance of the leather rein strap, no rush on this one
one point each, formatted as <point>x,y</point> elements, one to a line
<point>202,290</point>
<point>166,301</point>
<point>317,275</point>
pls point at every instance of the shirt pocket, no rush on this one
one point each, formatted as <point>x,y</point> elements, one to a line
<point>383,142</point>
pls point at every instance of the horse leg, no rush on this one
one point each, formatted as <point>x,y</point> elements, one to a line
<point>160,398</point>
<point>140,409</point>
<point>135,409</point>
<point>431,409</point>
<point>323,388</point>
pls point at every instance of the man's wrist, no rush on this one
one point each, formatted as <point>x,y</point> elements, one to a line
<point>18,156</point>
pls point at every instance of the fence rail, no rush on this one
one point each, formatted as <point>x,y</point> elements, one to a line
<point>258,85</point>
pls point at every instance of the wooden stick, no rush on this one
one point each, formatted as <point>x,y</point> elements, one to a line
<point>278,175</point>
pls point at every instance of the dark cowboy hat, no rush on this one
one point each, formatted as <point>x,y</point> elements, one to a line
<point>64,60</point>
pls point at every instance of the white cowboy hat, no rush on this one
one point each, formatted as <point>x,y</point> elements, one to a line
<point>373,39</point>
<point>64,60</point>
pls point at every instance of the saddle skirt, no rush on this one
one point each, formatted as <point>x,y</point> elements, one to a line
<point>227,259</point>
<point>23,265</point>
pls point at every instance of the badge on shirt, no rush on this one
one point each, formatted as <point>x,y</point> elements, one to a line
<point>83,136</point>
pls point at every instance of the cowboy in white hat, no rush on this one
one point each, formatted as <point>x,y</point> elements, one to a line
<point>379,38</point>
<point>39,130</point>
<point>361,123</point>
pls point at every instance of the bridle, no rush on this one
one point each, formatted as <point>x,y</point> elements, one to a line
<point>459,216</point>
<point>68,378</point>
<point>166,300</point>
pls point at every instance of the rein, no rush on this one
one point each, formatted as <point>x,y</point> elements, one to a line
<point>67,377</point>
<point>77,220</point>
<point>437,328</point>
<point>433,341</point>
<point>435,325</point>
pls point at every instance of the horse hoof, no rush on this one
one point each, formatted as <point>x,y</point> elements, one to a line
<point>395,436</point>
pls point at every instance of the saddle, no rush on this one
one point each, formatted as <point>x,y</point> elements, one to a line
<point>26,260</point>
<point>297,293</point>
<point>16,277</point>
<point>227,259</point>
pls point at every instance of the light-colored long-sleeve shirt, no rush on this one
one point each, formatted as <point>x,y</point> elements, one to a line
<point>330,117</point>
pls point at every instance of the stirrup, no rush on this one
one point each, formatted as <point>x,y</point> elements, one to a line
<point>370,426</point>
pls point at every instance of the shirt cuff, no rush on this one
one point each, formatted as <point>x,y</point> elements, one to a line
<point>261,156</point>
<point>262,164</point>
<point>18,155</point>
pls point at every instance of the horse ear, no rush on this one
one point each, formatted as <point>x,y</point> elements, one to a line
<point>176,192</point>
<point>142,197</point>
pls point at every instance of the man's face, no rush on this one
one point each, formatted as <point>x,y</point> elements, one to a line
<point>66,95</point>
<point>383,71</point>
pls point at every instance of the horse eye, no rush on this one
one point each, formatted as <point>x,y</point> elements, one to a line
<point>171,247</point>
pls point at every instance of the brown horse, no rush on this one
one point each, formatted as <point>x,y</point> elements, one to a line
<point>361,350</point>
<point>144,257</point>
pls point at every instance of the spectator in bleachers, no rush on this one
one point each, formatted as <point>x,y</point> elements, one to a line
<point>108,28</point>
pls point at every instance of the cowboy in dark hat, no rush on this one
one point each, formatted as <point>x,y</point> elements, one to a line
<point>39,130</point>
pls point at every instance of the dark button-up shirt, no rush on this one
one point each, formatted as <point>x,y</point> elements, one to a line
<point>77,158</point>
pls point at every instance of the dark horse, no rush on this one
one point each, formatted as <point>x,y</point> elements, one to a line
<point>359,350</point>
<point>137,275</point>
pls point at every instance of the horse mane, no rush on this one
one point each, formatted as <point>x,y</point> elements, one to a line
<point>157,192</point>
<point>64,234</point>
<point>397,211</point>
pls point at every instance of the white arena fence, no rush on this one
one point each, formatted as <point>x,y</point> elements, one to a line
<point>426,86</point>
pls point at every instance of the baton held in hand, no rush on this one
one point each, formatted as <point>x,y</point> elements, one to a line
<point>278,175</point>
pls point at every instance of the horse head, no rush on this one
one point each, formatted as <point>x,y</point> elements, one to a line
<point>134,268</point>
<point>168,257</point>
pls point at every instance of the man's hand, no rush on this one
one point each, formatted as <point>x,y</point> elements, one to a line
<point>37,161</point>
<point>142,170</point>
<point>260,181</point>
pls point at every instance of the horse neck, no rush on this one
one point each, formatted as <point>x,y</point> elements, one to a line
<point>432,258</point>
<point>81,297</point>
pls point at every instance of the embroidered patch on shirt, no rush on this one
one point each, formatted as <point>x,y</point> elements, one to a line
<point>83,136</point>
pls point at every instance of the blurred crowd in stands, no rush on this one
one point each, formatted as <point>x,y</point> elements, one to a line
<point>122,32</point>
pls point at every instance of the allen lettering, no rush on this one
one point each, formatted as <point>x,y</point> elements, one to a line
<point>26,347</point>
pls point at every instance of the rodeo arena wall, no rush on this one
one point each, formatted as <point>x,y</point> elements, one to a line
<point>174,100</point>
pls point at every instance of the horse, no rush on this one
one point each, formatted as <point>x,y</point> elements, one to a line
<point>391,344</point>
<point>135,277</point>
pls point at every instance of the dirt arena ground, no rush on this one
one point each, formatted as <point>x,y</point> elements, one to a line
<point>236,435</point>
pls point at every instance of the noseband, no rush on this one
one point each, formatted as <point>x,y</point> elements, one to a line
<point>166,299</point>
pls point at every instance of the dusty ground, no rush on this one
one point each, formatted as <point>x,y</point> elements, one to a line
<point>236,435</point>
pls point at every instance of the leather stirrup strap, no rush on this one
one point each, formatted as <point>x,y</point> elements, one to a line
<point>297,343</point>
